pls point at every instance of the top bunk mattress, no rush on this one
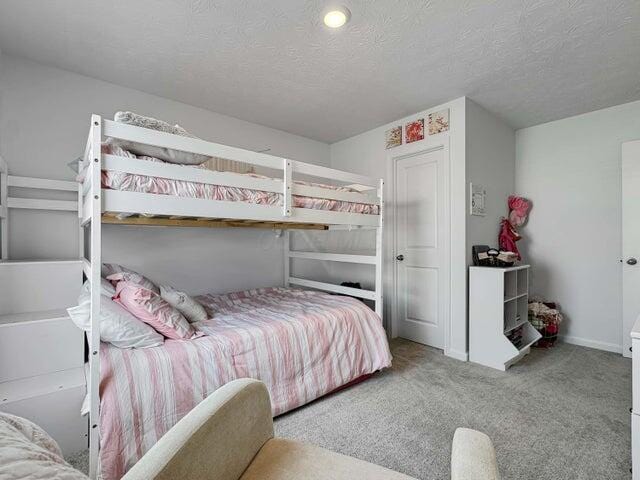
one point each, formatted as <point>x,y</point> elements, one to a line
<point>131,182</point>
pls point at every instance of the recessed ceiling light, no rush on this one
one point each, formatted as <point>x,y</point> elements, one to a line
<point>337,17</point>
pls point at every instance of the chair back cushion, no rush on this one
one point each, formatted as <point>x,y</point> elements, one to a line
<point>217,440</point>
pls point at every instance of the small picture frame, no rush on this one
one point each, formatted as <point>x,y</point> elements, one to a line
<point>414,131</point>
<point>393,137</point>
<point>438,122</point>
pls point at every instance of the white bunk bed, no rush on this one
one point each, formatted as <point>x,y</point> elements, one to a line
<point>98,205</point>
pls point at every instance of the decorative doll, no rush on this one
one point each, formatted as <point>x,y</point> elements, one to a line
<point>518,210</point>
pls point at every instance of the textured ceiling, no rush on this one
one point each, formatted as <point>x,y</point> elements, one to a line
<point>274,63</point>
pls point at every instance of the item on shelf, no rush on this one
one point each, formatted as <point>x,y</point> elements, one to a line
<point>485,256</point>
<point>545,318</point>
<point>476,251</point>
<point>518,210</point>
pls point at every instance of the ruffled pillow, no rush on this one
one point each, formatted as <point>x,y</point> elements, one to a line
<point>116,273</point>
<point>186,305</point>
<point>152,309</point>
<point>166,154</point>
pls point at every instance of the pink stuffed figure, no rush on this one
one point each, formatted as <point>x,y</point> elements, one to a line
<point>518,210</point>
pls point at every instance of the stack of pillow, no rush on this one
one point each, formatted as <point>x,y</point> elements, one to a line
<point>170,155</point>
<point>136,313</point>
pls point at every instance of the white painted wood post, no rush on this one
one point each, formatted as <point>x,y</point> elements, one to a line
<point>379,253</point>
<point>287,260</point>
<point>287,184</point>
<point>96,267</point>
<point>4,210</point>
<point>80,227</point>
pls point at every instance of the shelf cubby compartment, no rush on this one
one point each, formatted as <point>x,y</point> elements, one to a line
<point>522,283</point>
<point>522,309</point>
<point>510,314</point>
<point>510,284</point>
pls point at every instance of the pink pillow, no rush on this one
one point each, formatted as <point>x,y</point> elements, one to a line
<point>152,309</point>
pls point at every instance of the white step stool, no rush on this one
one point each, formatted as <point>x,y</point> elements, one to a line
<point>41,351</point>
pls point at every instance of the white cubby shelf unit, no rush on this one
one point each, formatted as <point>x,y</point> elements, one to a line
<point>499,330</point>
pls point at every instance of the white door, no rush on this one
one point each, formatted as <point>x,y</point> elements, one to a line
<point>422,246</point>
<point>630,240</point>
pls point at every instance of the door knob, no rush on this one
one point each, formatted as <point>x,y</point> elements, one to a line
<point>400,258</point>
<point>632,261</point>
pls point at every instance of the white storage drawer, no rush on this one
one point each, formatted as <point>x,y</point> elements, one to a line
<point>33,286</point>
<point>53,402</point>
<point>37,343</point>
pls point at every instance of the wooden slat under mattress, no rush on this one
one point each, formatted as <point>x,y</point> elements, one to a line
<point>112,219</point>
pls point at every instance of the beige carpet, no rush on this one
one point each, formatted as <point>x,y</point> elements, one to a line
<point>558,414</point>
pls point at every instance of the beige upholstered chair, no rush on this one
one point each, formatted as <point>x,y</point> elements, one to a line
<point>229,436</point>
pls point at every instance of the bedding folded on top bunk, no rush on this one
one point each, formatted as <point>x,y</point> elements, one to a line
<point>130,182</point>
<point>302,344</point>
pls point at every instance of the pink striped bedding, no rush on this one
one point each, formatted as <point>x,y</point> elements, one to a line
<point>164,186</point>
<point>302,344</point>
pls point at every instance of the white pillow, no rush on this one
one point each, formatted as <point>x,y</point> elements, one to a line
<point>117,325</point>
<point>186,305</point>
<point>166,154</point>
<point>106,288</point>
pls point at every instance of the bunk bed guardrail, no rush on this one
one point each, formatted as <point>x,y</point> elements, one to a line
<point>8,202</point>
<point>125,201</point>
<point>94,202</point>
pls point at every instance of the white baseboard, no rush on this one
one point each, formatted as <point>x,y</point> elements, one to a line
<point>462,356</point>
<point>585,342</point>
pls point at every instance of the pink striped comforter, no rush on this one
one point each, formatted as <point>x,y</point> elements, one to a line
<point>302,344</point>
<point>165,186</point>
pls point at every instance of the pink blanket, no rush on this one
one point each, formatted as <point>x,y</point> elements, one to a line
<point>302,344</point>
<point>164,186</point>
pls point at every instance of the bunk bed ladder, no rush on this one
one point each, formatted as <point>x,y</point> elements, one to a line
<point>376,260</point>
<point>46,381</point>
<point>25,203</point>
<point>379,254</point>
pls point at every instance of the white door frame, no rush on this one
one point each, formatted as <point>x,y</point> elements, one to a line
<point>393,155</point>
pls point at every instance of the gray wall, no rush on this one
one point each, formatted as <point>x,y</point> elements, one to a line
<point>482,151</point>
<point>43,125</point>
<point>491,151</point>
<point>570,168</point>
<point>366,154</point>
